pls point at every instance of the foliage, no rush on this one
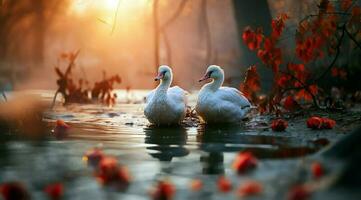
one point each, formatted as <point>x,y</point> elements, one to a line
<point>73,91</point>
<point>317,37</point>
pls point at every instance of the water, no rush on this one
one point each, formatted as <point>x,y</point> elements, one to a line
<point>180,154</point>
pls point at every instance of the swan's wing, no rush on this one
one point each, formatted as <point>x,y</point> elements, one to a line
<point>178,94</point>
<point>233,95</point>
<point>149,96</point>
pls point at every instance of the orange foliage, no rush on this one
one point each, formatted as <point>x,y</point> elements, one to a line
<point>251,84</point>
<point>317,36</point>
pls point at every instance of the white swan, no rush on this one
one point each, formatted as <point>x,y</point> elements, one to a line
<point>218,104</point>
<point>164,105</point>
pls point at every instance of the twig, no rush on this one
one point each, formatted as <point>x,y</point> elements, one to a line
<point>54,98</point>
<point>304,86</point>
<point>115,17</point>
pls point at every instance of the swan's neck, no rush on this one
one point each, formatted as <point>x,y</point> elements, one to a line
<point>163,87</point>
<point>215,84</point>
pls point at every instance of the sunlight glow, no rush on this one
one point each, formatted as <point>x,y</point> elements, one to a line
<point>84,6</point>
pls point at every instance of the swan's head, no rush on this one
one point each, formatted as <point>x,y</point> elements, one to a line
<point>213,72</point>
<point>164,73</point>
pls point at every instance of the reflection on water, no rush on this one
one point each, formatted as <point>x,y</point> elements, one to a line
<point>123,132</point>
<point>168,142</point>
<point>234,138</point>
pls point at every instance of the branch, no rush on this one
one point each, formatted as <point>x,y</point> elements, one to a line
<point>338,49</point>
<point>115,17</point>
<point>352,38</point>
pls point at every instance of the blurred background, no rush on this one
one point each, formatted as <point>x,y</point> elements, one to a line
<point>118,36</point>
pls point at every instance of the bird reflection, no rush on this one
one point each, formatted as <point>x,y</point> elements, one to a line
<point>169,142</point>
<point>213,140</point>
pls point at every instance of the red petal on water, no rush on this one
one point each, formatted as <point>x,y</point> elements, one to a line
<point>55,191</point>
<point>250,188</point>
<point>317,170</point>
<point>196,185</point>
<point>164,190</point>
<point>224,184</point>
<point>244,162</point>
<point>279,125</point>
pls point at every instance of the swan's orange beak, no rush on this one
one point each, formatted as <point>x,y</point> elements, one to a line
<point>205,77</point>
<point>159,76</point>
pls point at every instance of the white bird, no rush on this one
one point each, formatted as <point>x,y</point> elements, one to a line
<point>218,104</point>
<point>164,105</point>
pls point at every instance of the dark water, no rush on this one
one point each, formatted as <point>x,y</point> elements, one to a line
<point>178,153</point>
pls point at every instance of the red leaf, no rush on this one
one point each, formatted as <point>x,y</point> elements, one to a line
<point>54,191</point>
<point>314,122</point>
<point>279,125</point>
<point>244,161</point>
<point>224,185</point>
<point>251,84</point>
<point>252,38</point>
<point>249,188</point>
<point>320,123</point>
<point>290,104</point>
<point>317,170</point>
<point>164,190</point>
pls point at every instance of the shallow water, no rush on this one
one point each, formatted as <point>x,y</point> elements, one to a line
<point>178,153</point>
